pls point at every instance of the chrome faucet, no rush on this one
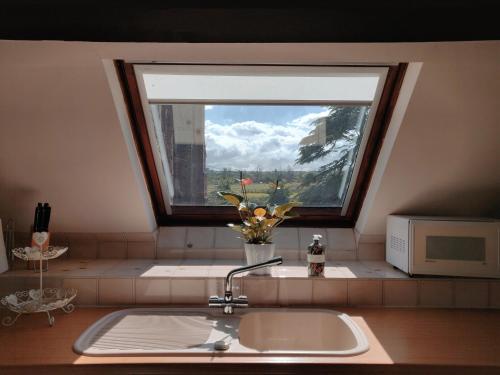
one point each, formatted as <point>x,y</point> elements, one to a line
<point>228,303</point>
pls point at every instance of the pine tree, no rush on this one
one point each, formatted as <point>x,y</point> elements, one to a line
<point>335,139</point>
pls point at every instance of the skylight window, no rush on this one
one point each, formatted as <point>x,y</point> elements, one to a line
<point>306,127</point>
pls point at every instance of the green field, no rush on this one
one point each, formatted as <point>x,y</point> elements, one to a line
<point>259,191</point>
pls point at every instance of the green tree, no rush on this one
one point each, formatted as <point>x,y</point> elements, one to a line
<point>223,181</point>
<point>280,195</point>
<point>337,135</point>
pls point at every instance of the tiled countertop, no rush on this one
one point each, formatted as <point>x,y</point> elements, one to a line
<point>144,268</point>
<point>191,281</point>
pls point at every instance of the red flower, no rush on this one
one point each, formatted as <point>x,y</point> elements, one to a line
<point>247,181</point>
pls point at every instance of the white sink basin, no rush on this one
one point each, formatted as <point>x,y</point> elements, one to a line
<point>174,331</point>
<point>300,331</point>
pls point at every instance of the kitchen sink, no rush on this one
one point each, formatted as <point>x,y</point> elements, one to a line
<point>301,331</point>
<point>191,331</point>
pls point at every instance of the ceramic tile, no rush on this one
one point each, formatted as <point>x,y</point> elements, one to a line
<point>111,237</point>
<point>9,285</point>
<point>74,268</point>
<point>22,239</point>
<point>290,269</point>
<point>471,294</point>
<point>494,294</point>
<point>76,236</point>
<point>205,263</point>
<point>226,238</point>
<point>143,250</point>
<point>260,290</point>
<point>341,255</point>
<point>200,238</point>
<point>222,269</point>
<point>329,292</point>
<point>128,268</point>
<point>152,290</point>
<point>371,251</point>
<point>364,292</point>
<point>340,239</point>
<point>287,254</point>
<point>354,270</point>
<point>82,247</point>
<point>237,254</point>
<point>172,237</point>
<point>116,291</point>
<point>286,238</point>
<point>382,269</point>
<point>160,268</point>
<point>87,290</point>
<point>93,267</point>
<point>435,293</point>
<point>166,253</point>
<point>193,268</point>
<point>228,262</point>
<point>302,255</point>
<point>215,286</point>
<point>295,292</point>
<point>196,253</point>
<point>306,238</point>
<point>141,236</point>
<point>400,293</point>
<point>59,239</point>
<point>188,290</point>
<point>336,270</point>
<point>112,250</point>
<point>48,282</point>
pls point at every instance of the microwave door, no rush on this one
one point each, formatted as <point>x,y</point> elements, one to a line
<point>452,248</point>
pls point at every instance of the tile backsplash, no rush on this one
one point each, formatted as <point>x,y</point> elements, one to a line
<point>192,281</point>
<point>206,243</point>
<point>223,243</point>
<point>185,265</point>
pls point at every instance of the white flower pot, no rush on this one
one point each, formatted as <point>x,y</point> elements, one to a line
<point>258,254</point>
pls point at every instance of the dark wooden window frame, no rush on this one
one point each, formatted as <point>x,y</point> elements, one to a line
<point>221,215</point>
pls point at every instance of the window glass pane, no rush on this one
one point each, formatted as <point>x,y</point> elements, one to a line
<point>310,149</point>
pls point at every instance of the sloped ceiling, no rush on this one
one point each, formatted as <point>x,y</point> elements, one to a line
<point>61,141</point>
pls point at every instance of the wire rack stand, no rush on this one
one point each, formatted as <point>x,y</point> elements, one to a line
<point>41,300</point>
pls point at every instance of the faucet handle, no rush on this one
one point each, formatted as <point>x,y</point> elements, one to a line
<point>215,300</point>
<point>241,301</point>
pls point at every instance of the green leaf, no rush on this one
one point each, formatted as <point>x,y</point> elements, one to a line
<point>232,198</point>
<point>280,211</point>
<point>271,222</point>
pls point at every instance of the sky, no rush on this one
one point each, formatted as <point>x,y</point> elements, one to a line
<point>247,137</point>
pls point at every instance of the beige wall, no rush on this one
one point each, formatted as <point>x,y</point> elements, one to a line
<point>445,160</point>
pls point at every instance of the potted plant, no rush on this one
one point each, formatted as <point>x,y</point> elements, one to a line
<point>258,223</point>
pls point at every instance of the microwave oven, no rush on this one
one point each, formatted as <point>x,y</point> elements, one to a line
<point>444,246</point>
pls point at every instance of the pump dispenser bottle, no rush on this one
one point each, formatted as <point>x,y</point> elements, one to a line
<point>316,257</point>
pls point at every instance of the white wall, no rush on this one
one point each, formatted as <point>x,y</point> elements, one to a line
<point>445,160</point>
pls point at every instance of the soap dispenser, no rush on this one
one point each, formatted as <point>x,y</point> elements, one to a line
<point>316,257</point>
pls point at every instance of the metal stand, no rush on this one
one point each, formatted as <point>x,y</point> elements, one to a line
<point>42,300</point>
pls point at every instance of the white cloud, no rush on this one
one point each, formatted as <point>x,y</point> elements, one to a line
<point>251,144</point>
<point>209,107</point>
